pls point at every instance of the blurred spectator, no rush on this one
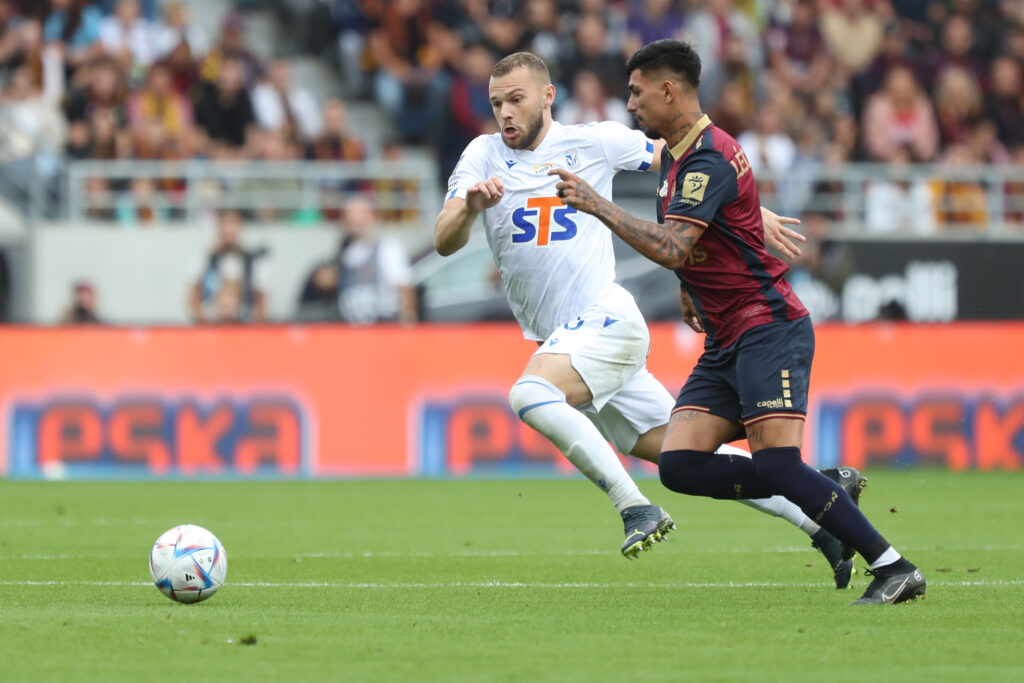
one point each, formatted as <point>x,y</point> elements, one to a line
<point>852,32</point>
<point>828,195</point>
<point>616,22</point>
<point>98,85</point>
<point>409,83</point>
<point>266,193</point>
<point>469,101</point>
<point>957,105</point>
<point>768,147</point>
<point>158,102</point>
<point>177,29</point>
<point>469,107</point>
<point>543,24</point>
<point>184,68</point>
<point>722,33</point>
<point>142,204</point>
<point>900,116</point>
<point>82,310</point>
<point>894,52</point>
<point>734,110</point>
<point>280,105</point>
<point>74,25</point>
<point>229,287</point>
<point>396,199</point>
<point>349,24</point>
<point>590,103</point>
<point>32,124</point>
<point>591,55</point>
<point>231,46</point>
<point>128,37</point>
<point>224,109</point>
<point>984,143</point>
<point>1005,102</point>
<point>797,53</point>
<point>960,202</point>
<point>368,281</point>
<point>651,20</point>
<point>27,50</point>
<point>336,141</point>
<point>503,30</point>
<point>957,50</point>
<point>899,203</point>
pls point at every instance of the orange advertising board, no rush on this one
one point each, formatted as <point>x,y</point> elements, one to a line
<point>431,400</point>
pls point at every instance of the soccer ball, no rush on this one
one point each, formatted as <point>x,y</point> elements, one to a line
<point>188,563</point>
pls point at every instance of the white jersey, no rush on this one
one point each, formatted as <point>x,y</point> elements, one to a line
<point>554,261</point>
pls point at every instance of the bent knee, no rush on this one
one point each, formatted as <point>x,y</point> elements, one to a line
<point>531,392</point>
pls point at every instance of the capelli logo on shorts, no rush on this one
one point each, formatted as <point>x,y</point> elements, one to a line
<point>774,403</point>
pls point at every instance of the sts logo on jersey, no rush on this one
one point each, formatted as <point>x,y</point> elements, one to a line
<point>535,221</point>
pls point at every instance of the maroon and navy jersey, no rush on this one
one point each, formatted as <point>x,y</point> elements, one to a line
<point>734,282</point>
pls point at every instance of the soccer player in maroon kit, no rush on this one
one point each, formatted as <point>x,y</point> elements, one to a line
<point>753,377</point>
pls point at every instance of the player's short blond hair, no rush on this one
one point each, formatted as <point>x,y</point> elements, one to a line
<point>517,60</point>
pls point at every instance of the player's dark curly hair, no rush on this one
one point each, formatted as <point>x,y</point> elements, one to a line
<point>672,55</point>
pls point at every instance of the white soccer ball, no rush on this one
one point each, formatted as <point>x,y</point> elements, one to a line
<point>188,563</point>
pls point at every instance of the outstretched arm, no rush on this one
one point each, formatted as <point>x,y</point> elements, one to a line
<point>667,244</point>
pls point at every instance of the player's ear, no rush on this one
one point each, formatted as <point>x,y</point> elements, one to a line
<point>668,90</point>
<point>549,95</point>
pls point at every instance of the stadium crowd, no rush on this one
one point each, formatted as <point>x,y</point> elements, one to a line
<point>800,81</point>
<point>804,85</point>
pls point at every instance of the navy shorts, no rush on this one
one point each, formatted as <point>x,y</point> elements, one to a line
<point>763,374</point>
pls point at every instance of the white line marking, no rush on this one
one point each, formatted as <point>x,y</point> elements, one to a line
<point>369,554</point>
<point>497,584</point>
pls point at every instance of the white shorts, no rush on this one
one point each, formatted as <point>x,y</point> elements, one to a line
<point>607,345</point>
<point>642,404</point>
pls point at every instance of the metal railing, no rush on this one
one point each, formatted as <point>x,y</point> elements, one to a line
<point>880,200</point>
<point>404,192</point>
<point>854,200</point>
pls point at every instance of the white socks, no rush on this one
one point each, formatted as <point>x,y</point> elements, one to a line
<point>888,557</point>
<point>778,506</point>
<point>540,404</point>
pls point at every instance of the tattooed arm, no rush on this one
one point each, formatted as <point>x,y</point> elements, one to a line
<point>667,244</point>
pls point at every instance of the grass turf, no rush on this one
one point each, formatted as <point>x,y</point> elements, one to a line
<point>501,581</point>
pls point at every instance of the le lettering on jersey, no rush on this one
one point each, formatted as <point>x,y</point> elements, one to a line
<point>554,261</point>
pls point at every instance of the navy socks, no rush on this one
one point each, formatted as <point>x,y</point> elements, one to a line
<point>722,476</point>
<point>821,499</point>
<point>773,471</point>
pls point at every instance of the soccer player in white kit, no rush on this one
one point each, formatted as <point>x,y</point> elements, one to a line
<point>588,383</point>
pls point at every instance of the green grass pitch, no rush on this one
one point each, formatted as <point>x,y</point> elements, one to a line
<point>509,580</point>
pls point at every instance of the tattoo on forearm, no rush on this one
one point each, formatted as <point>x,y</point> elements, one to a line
<point>663,244</point>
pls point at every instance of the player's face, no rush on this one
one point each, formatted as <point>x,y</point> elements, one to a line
<point>522,107</point>
<point>646,103</point>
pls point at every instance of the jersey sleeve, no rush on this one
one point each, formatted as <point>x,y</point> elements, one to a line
<point>472,168</point>
<point>704,183</point>
<point>625,148</point>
